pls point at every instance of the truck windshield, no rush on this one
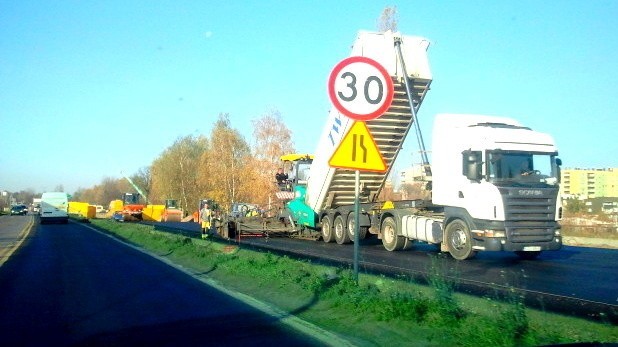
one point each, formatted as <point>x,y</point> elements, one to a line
<point>304,169</point>
<point>521,168</point>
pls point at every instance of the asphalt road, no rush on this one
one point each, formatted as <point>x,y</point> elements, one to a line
<point>12,231</point>
<point>572,272</point>
<point>70,285</point>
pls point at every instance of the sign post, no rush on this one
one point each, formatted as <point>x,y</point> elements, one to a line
<point>362,89</point>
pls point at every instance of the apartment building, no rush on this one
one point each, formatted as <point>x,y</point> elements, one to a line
<point>589,183</point>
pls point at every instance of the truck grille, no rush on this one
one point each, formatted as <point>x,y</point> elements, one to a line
<point>530,213</point>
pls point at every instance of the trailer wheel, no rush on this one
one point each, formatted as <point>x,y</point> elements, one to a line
<point>327,230</point>
<point>341,235</point>
<point>351,223</point>
<point>459,240</point>
<point>390,239</point>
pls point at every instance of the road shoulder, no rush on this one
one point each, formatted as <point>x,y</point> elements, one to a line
<point>6,252</point>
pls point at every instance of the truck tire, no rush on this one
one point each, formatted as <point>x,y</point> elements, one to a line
<point>362,232</point>
<point>341,234</point>
<point>459,240</point>
<point>407,244</point>
<point>390,239</point>
<point>327,230</point>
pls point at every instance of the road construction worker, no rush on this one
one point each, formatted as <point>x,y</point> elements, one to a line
<point>282,179</point>
<point>206,217</point>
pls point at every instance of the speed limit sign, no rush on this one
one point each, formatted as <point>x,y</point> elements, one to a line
<point>360,88</point>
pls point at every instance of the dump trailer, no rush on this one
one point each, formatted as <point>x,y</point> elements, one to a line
<point>480,197</point>
<point>492,186</point>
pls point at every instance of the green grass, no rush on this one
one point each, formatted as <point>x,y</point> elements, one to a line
<point>376,311</point>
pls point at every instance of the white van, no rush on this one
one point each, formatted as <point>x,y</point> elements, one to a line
<point>54,207</point>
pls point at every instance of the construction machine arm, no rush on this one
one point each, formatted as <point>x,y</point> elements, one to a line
<point>136,187</point>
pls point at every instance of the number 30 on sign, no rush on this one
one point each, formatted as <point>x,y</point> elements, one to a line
<point>360,88</point>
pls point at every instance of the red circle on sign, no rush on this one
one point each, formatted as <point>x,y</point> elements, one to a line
<point>332,93</point>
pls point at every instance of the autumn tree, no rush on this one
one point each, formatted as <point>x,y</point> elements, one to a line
<point>388,192</point>
<point>388,19</point>
<point>414,191</point>
<point>272,139</point>
<point>102,194</point>
<point>175,173</point>
<point>226,166</point>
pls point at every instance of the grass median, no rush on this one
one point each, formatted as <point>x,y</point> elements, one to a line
<point>376,311</point>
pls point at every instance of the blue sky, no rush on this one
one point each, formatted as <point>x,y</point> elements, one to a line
<point>92,88</point>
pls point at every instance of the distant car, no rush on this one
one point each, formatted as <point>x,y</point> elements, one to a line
<point>19,210</point>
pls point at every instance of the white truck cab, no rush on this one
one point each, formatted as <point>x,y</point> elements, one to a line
<point>500,179</point>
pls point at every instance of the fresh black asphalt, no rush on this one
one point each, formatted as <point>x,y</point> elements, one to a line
<point>70,285</point>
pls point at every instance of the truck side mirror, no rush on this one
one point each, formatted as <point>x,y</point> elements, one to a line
<point>472,165</point>
<point>558,169</point>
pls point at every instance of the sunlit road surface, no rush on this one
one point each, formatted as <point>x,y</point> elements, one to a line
<point>70,285</point>
<point>13,229</point>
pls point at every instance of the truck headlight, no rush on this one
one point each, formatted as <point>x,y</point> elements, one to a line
<point>494,233</point>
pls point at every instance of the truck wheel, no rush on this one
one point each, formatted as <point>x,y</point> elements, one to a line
<point>351,223</point>
<point>327,230</point>
<point>528,255</point>
<point>390,239</point>
<point>459,240</point>
<point>341,235</point>
<point>407,244</point>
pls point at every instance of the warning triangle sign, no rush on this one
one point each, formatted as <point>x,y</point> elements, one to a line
<point>358,151</point>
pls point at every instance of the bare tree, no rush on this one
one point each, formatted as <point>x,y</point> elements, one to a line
<point>102,194</point>
<point>388,19</point>
<point>272,140</point>
<point>272,137</point>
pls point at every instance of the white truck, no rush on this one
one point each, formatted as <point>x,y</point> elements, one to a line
<point>493,182</point>
<point>54,207</point>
